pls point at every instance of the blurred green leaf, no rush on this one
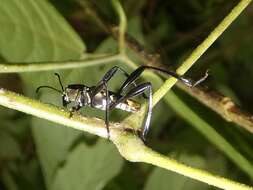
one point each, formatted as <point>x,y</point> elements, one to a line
<point>128,178</point>
<point>8,180</point>
<point>34,31</point>
<point>53,143</point>
<point>135,30</point>
<point>88,167</point>
<point>13,150</point>
<point>27,175</point>
<point>20,169</point>
<point>162,179</point>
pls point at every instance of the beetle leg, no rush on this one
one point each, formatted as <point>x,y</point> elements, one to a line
<point>74,109</point>
<point>107,111</point>
<point>107,77</point>
<point>107,107</point>
<point>102,85</point>
<point>138,90</point>
<point>136,74</point>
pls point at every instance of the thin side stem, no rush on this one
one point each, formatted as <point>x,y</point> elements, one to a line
<point>122,25</point>
<point>56,65</point>
<point>201,49</point>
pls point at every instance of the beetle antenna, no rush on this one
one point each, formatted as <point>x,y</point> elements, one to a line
<point>37,90</point>
<point>59,78</point>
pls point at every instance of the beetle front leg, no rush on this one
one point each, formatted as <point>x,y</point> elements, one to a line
<point>107,77</point>
<point>103,87</point>
<point>73,110</point>
<point>107,107</point>
<point>137,73</point>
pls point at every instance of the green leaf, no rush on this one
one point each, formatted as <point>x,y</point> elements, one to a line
<point>34,31</point>
<point>163,179</point>
<point>134,30</point>
<point>88,167</point>
<point>27,175</point>
<point>53,143</point>
<point>13,150</point>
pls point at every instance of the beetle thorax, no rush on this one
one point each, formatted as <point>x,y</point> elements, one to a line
<point>77,95</point>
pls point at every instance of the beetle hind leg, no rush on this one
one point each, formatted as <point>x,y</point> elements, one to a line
<point>136,91</point>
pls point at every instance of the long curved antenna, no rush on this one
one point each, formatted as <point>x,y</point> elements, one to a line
<point>50,87</point>
<point>59,78</point>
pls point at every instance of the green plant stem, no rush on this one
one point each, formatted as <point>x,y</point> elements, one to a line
<point>201,49</point>
<point>134,150</point>
<point>45,66</point>
<point>129,145</point>
<point>122,25</point>
<point>45,111</point>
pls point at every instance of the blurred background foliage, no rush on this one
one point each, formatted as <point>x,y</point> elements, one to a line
<point>37,154</point>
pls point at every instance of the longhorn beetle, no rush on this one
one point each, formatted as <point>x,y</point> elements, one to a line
<point>100,97</point>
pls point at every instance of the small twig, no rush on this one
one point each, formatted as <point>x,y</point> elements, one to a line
<point>45,66</point>
<point>129,145</point>
<point>122,25</point>
<point>222,105</point>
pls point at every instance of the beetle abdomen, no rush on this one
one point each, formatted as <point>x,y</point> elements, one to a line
<point>129,106</point>
<point>99,101</point>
